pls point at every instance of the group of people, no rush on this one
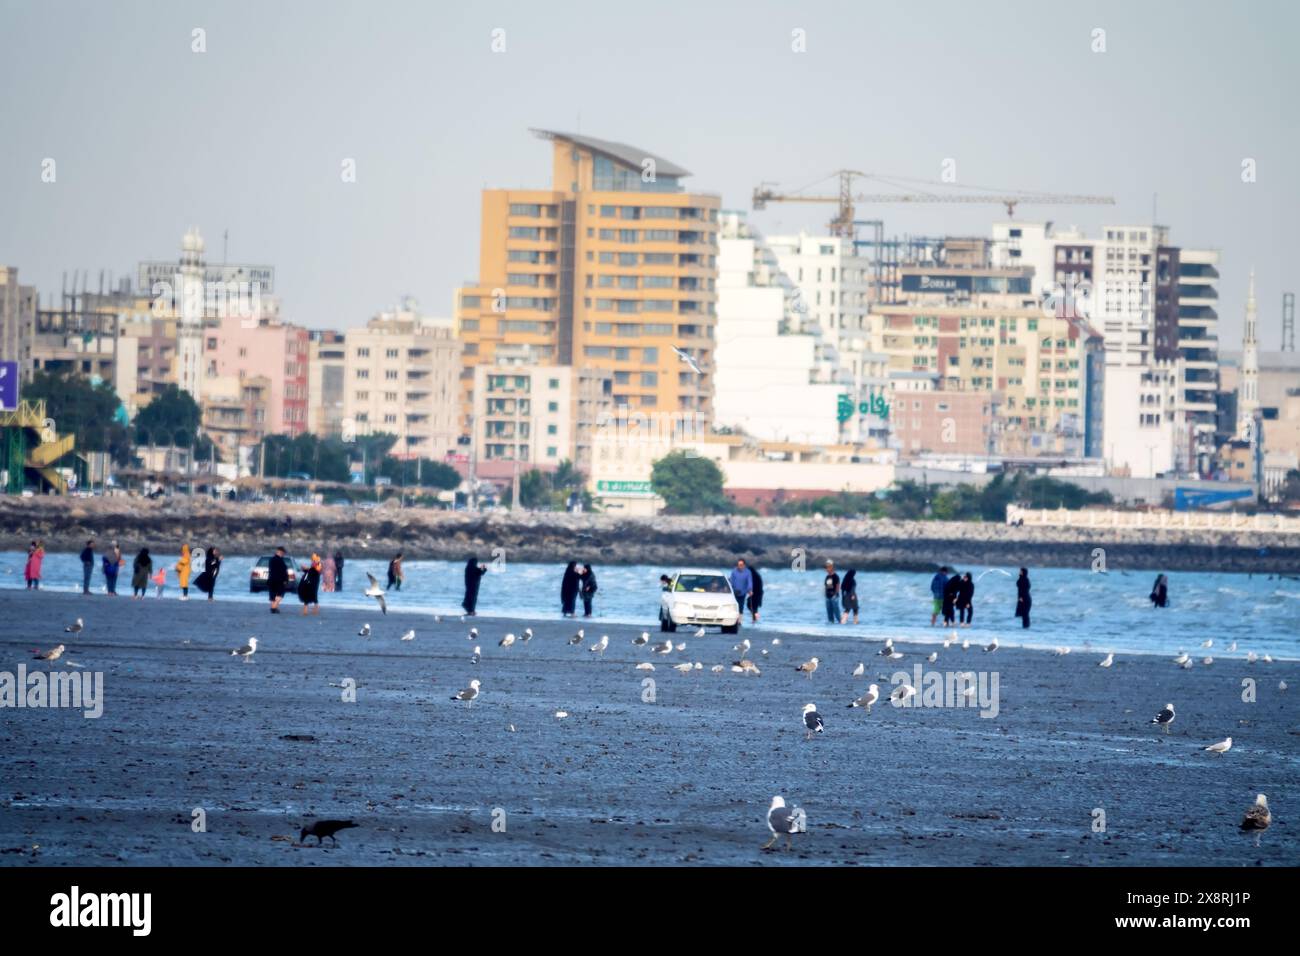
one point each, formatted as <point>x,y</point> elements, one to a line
<point>747,585</point>
<point>310,577</point>
<point>112,561</point>
<point>841,595</point>
<point>952,595</point>
<point>578,581</point>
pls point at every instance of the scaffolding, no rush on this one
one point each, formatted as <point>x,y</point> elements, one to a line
<point>29,445</point>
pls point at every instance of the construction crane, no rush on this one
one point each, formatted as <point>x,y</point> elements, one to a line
<point>844,224</point>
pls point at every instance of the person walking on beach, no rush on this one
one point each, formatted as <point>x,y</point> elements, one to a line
<point>831,590</point>
<point>755,595</point>
<point>473,578</point>
<point>741,580</point>
<point>327,574</point>
<point>141,568</point>
<point>159,578</point>
<point>1023,601</point>
<point>183,568</point>
<point>207,580</point>
<point>569,589</point>
<point>937,584</point>
<point>395,572</point>
<point>338,570</point>
<point>587,589</point>
<point>277,579</point>
<point>32,571</point>
<point>849,596</point>
<point>309,586</point>
<point>1160,592</point>
<point>950,589</point>
<point>966,600</point>
<point>112,564</point>
<point>87,565</point>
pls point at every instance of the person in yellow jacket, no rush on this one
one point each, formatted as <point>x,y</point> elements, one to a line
<point>183,570</point>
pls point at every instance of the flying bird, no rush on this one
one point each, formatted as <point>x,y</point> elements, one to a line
<point>74,628</point>
<point>246,652</point>
<point>54,653</point>
<point>781,819</point>
<point>324,828</point>
<point>469,694</point>
<point>685,357</point>
<point>1165,717</point>
<point>365,631</point>
<point>1106,661</point>
<point>868,699</point>
<point>376,592</point>
<point>600,645</point>
<point>809,667</point>
<point>812,720</point>
<point>1222,747</point>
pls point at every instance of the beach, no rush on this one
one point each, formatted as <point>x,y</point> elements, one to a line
<point>1069,770</point>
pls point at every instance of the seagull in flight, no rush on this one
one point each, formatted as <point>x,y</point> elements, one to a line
<point>376,592</point>
<point>246,652</point>
<point>685,357</point>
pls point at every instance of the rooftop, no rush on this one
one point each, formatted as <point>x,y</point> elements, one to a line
<point>630,156</point>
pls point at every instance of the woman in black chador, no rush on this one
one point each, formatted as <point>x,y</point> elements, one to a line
<point>1160,592</point>
<point>1023,601</point>
<point>569,589</point>
<point>473,575</point>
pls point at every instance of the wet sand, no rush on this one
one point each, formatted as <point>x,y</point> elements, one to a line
<point>266,746</point>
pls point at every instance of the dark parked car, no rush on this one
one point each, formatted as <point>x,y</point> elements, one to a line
<point>257,578</point>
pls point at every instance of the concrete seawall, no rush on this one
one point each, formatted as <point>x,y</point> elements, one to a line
<point>241,528</point>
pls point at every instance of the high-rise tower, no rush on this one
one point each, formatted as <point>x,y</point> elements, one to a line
<point>1248,390</point>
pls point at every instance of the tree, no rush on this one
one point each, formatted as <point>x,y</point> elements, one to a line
<point>406,471</point>
<point>88,412</point>
<point>689,484</point>
<point>171,418</point>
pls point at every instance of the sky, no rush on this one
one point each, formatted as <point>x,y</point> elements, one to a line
<point>249,136</point>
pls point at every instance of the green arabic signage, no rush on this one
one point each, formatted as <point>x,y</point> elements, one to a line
<point>624,487</point>
<point>875,406</point>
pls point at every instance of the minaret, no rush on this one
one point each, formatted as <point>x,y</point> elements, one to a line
<point>189,328</point>
<point>1248,387</point>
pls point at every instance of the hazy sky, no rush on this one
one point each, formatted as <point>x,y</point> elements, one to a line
<point>249,136</point>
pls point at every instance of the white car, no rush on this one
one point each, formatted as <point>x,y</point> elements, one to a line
<point>699,598</point>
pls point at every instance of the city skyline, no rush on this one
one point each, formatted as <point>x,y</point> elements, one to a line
<point>250,136</point>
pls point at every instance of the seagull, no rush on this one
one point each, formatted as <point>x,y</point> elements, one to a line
<point>742,648</point>
<point>717,668</point>
<point>1182,658</point>
<point>473,633</point>
<point>781,819</point>
<point>681,646</point>
<point>376,592</point>
<point>641,639</point>
<point>577,638</point>
<point>527,635</point>
<point>246,652</point>
<point>477,655</point>
<point>561,714</point>
<point>645,666</point>
<point>990,648</point>
<point>700,632</point>
<point>1062,651</point>
<point>1281,685</point>
<point>365,631</point>
<point>1251,657</point>
<point>683,668</point>
<point>685,357</point>
<point>1165,717</point>
<point>1208,643</point>
<point>1267,659</point>
<point>1208,661</point>
<point>809,668</point>
<point>1222,747</point>
<point>860,669</point>
<point>866,700</point>
<point>324,828</point>
<point>965,645</point>
<point>1232,647</point>
<point>506,641</point>
<point>934,656</point>
<point>902,694</point>
<point>54,654</point>
<point>1258,816</point>
<point>950,639</point>
<point>469,694</point>
<point>888,649</point>
<point>1186,665</point>
<point>409,635</point>
<point>664,647</point>
<point>74,628</point>
<point>746,667</point>
<point>600,645</point>
<point>775,641</point>
<point>812,720</point>
<point>968,691</point>
<point>1106,661</point>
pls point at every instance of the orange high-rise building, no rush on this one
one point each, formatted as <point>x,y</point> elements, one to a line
<point>610,268</point>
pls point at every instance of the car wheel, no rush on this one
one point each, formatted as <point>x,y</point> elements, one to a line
<point>731,628</point>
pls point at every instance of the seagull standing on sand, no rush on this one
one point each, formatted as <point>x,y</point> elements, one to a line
<point>469,694</point>
<point>809,667</point>
<point>860,669</point>
<point>1258,817</point>
<point>1222,747</point>
<point>477,655</point>
<point>600,645</point>
<point>376,592</point>
<point>664,647</point>
<point>527,635</point>
<point>888,649</point>
<point>742,648</point>
<point>645,666</point>
<point>746,667</point>
<point>1106,661</point>
<point>473,633</point>
<point>365,631</point>
<point>868,699</point>
<point>1165,717</point>
<point>1182,658</point>
<point>902,694</point>
<point>577,638</point>
<point>700,632</point>
<point>506,641</point>
<point>781,819</point>
<point>641,639</point>
<point>74,628</point>
<point>1207,661</point>
<point>54,653</point>
<point>812,721</point>
<point>934,656</point>
<point>246,652</point>
<point>409,635</point>
<point>990,648</point>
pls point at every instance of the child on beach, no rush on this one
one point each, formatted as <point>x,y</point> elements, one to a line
<point>160,579</point>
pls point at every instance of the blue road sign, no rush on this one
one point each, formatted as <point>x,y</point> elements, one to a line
<point>8,386</point>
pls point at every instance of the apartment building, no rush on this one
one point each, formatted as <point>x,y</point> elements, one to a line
<point>262,348</point>
<point>326,368</point>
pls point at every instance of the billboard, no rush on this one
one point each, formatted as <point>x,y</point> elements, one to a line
<point>8,386</point>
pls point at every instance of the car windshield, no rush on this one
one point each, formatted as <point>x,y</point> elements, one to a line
<point>706,583</point>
